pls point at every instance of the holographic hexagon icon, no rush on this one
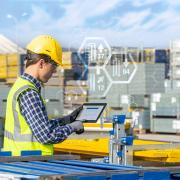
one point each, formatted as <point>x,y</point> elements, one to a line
<point>98,82</point>
<point>122,71</point>
<point>98,50</point>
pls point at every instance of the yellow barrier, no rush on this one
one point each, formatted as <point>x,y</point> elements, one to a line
<point>99,147</point>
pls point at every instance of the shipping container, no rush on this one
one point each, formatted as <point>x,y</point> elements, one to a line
<point>162,56</point>
<point>11,65</point>
<point>78,72</point>
<point>54,100</point>
<point>167,70</point>
<point>175,45</point>
<point>147,79</point>
<point>175,72</point>
<point>125,54</point>
<point>74,99</point>
<point>165,105</point>
<point>117,111</point>
<point>66,60</point>
<point>165,125</point>
<point>76,83</point>
<point>3,61</point>
<point>139,101</point>
<point>80,58</point>
<point>149,55</point>
<point>141,119</point>
<point>68,74</point>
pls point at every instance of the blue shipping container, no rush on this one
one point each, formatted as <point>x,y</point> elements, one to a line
<point>161,56</point>
<point>79,58</point>
<point>80,72</point>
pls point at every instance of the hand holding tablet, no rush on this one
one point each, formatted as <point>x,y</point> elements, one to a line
<point>91,112</point>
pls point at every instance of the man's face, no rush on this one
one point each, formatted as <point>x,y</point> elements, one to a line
<point>47,71</point>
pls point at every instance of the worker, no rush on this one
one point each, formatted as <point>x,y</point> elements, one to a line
<point>27,127</point>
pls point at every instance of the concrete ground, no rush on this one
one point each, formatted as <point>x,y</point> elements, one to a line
<point>160,137</point>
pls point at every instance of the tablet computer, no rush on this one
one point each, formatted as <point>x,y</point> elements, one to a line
<point>91,112</point>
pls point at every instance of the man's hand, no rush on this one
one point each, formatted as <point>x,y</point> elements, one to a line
<point>71,117</point>
<point>75,113</point>
<point>77,127</point>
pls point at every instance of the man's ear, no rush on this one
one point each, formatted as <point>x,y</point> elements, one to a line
<point>41,63</point>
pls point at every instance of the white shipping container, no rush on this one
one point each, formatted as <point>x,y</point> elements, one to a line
<point>175,44</point>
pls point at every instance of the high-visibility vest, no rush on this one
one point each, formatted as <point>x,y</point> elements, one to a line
<point>18,136</point>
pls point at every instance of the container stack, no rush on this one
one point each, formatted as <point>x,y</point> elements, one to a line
<point>52,92</point>
<point>138,55</point>
<point>135,55</point>
<point>75,82</point>
<point>165,113</point>
<point>78,71</point>
<point>53,96</point>
<point>139,107</point>
<point>120,55</point>
<point>136,108</point>
<point>149,55</point>
<point>132,99</point>
<point>175,60</point>
<point>148,79</point>
<point>66,60</point>
<point>11,66</point>
<point>163,56</point>
<point>152,56</point>
<point>172,86</point>
<point>75,94</point>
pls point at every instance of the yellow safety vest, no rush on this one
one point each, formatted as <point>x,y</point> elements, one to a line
<point>18,136</point>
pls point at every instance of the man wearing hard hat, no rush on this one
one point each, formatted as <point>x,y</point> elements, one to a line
<point>27,127</point>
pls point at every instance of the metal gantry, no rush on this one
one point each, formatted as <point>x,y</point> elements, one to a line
<point>120,144</point>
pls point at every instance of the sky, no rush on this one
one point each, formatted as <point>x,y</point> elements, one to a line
<point>132,23</point>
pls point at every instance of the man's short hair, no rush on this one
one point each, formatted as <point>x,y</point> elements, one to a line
<point>33,58</point>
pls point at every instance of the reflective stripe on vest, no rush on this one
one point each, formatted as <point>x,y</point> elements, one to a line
<point>17,136</point>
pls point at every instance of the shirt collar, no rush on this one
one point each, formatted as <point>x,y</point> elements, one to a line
<point>32,80</point>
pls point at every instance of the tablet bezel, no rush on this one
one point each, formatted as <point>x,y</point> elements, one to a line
<point>93,104</point>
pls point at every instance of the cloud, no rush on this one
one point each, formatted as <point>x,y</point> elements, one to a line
<point>131,19</point>
<point>164,19</point>
<point>79,11</point>
<point>69,28</point>
<point>173,2</point>
<point>139,3</point>
<point>129,24</point>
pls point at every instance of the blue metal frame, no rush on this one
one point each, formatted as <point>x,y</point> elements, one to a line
<point>102,166</point>
<point>129,176</point>
<point>120,119</point>
<point>77,169</point>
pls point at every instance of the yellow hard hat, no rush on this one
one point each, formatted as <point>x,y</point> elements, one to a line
<point>46,44</point>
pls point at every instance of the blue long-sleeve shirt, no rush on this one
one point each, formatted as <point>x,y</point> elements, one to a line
<point>34,111</point>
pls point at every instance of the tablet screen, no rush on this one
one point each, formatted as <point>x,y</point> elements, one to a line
<point>91,112</point>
